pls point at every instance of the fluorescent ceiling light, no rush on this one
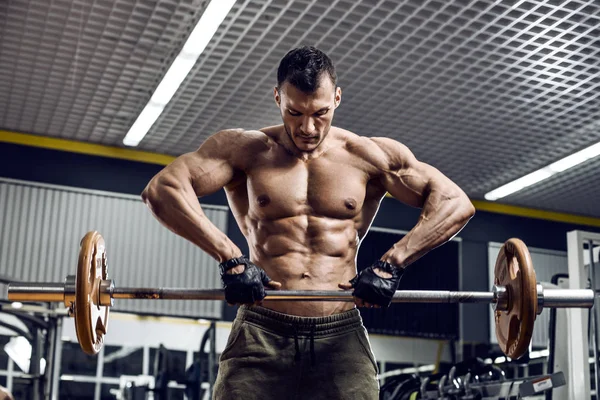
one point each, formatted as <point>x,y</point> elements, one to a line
<point>143,123</point>
<point>545,172</point>
<point>195,44</point>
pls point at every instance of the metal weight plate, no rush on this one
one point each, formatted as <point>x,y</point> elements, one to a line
<point>514,270</point>
<point>91,318</point>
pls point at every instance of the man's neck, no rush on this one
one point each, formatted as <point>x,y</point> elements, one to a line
<point>288,144</point>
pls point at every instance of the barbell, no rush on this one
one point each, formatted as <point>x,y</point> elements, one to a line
<point>516,296</point>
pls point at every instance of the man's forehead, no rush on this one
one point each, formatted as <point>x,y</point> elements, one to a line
<point>294,97</point>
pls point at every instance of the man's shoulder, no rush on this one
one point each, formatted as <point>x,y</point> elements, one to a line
<point>353,139</point>
<point>241,134</point>
<point>383,153</point>
<point>243,138</point>
<point>271,132</point>
<point>368,147</point>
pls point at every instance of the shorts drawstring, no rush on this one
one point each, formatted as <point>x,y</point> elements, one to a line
<point>298,355</point>
<point>311,337</point>
<point>312,344</point>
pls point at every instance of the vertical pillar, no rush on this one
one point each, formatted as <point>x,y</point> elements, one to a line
<point>212,358</point>
<point>578,378</point>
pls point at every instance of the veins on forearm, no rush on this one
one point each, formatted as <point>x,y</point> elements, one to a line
<point>439,221</point>
<point>185,217</point>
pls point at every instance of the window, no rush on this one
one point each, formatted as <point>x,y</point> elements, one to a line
<point>172,360</point>
<point>176,394</point>
<point>3,355</point>
<point>123,361</point>
<point>76,390</point>
<point>75,362</point>
<point>105,391</point>
<point>22,389</point>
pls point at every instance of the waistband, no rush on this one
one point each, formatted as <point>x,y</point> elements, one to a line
<point>286,324</point>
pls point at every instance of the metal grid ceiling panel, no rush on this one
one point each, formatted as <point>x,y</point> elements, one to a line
<point>82,70</point>
<point>484,90</point>
<point>576,190</point>
<point>547,263</point>
<point>41,227</point>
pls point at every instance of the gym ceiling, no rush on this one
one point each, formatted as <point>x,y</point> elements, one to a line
<point>486,91</point>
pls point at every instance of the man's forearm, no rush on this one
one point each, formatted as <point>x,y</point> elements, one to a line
<point>178,209</point>
<point>441,218</point>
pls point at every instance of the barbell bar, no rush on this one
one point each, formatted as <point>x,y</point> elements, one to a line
<point>498,297</point>
<point>516,296</point>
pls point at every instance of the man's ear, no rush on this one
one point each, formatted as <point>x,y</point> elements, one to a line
<point>338,96</point>
<point>276,96</point>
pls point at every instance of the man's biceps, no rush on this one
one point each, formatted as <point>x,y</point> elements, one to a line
<point>407,195</point>
<point>414,179</point>
<point>219,176</point>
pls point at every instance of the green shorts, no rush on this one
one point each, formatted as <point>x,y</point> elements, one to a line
<point>270,355</point>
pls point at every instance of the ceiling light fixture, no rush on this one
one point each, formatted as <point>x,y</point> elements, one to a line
<point>211,19</point>
<point>544,173</point>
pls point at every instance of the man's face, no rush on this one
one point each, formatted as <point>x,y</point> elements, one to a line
<point>307,117</point>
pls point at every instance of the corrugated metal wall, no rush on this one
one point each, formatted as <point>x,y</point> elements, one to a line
<point>546,263</point>
<point>41,227</point>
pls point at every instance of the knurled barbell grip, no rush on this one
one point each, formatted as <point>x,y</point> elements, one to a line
<point>55,292</point>
<point>401,296</point>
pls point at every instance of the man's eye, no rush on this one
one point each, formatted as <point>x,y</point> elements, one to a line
<point>294,114</point>
<point>322,112</point>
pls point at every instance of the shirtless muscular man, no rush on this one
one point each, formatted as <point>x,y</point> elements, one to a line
<point>304,194</point>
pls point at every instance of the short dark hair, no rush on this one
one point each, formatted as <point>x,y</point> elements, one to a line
<point>303,67</point>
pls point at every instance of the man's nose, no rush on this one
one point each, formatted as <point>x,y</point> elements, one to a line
<point>308,126</point>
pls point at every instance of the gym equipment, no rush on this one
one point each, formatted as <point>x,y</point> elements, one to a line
<point>516,297</point>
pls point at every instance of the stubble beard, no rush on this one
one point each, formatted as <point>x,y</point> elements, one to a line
<point>289,134</point>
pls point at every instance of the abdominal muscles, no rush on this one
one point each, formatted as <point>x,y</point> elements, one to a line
<point>305,252</point>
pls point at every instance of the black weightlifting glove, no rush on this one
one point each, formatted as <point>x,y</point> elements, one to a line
<point>246,287</point>
<point>372,288</point>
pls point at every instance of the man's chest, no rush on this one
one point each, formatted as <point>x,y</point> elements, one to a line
<point>323,187</point>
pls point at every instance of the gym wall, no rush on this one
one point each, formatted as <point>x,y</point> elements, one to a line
<point>41,226</point>
<point>116,175</point>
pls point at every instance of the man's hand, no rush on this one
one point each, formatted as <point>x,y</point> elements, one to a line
<point>375,286</point>
<point>244,282</point>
